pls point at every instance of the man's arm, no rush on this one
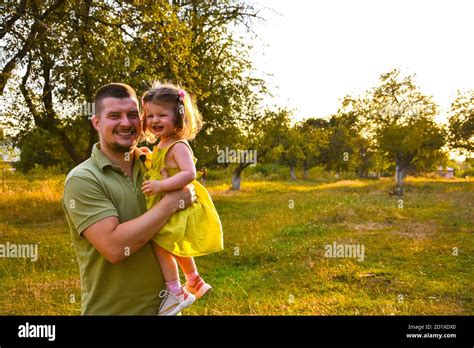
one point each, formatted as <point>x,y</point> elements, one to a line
<point>117,241</point>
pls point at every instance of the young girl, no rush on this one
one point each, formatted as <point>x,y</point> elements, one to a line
<point>171,116</point>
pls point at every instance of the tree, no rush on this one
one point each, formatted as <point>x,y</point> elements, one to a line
<point>77,47</point>
<point>461,123</point>
<point>292,148</point>
<point>340,151</point>
<point>346,147</point>
<point>60,70</point>
<point>261,132</point>
<point>47,155</point>
<point>353,121</point>
<point>401,120</point>
<point>21,25</point>
<point>227,93</point>
<point>315,133</point>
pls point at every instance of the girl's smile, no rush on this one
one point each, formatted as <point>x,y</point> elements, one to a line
<point>157,128</point>
<point>160,120</point>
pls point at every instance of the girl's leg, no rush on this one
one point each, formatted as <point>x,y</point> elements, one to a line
<point>179,299</point>
<point>169,268</point>
<point>187,264</point>
<point>194,283</point>
<point>189,268</point>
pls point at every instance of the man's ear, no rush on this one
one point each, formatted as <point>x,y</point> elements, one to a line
<point>95,122</point>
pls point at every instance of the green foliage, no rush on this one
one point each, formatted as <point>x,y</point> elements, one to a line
<point>341,151</point>
<point>269,133</point>
<point>399,120</point>
<point>466,169</point>
<point>461,123</point>
<point>80,46</point>
<point>40,149</point>
<point>58,53</point>
<point>315,134</point>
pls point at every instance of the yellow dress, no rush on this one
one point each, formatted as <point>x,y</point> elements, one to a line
<point>194,231</point>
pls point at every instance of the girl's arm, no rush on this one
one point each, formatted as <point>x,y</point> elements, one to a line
<point>182,156</point>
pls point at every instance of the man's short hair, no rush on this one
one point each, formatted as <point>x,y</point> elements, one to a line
<point>114,90</point>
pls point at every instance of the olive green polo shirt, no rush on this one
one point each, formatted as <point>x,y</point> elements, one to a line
<point>94,190</point>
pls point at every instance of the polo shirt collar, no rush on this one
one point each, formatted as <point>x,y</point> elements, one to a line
<point>102,161</point>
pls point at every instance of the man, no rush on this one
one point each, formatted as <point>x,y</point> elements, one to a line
<point>107,215</point>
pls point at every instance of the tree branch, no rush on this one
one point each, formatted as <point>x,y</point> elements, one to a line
<point>36,29</point>
<point>10,23</point>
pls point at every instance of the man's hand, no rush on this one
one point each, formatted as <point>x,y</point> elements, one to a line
<point>179,199</point>
<point>151,187</point>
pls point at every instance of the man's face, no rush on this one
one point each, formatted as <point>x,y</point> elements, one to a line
<point>119,124</point>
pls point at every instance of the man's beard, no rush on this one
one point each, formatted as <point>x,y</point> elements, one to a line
<point>115,147</point>
<point>118,148</point>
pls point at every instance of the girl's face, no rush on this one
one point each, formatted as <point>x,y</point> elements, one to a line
<point>160,120</point>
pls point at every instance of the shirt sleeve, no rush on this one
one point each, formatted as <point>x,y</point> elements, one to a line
<point>85,202</point>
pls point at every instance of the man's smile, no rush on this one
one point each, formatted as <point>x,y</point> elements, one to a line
<point>126,133</point>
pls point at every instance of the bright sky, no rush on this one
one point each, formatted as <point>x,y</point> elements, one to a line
<point>318,51</point>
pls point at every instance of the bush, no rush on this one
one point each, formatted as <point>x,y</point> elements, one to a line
<point>266,168</point>
<point>465,173</point>
<point>39,148</point>
<point>40,172</point>
<point>215,173</point>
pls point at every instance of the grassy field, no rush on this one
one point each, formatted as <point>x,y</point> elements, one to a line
<point>419,253</point>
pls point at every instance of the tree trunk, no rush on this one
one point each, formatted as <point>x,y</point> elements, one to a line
<point>236,179</point>
<point>399,176</point>
<point>305,170</point>
<point>292,173</point>
<point>362,171</point>
<point>87,75</point>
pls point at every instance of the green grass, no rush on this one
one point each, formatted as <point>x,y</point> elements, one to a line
<point>274,262</point>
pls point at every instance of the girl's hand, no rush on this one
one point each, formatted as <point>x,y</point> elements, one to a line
<point>151,187</point>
